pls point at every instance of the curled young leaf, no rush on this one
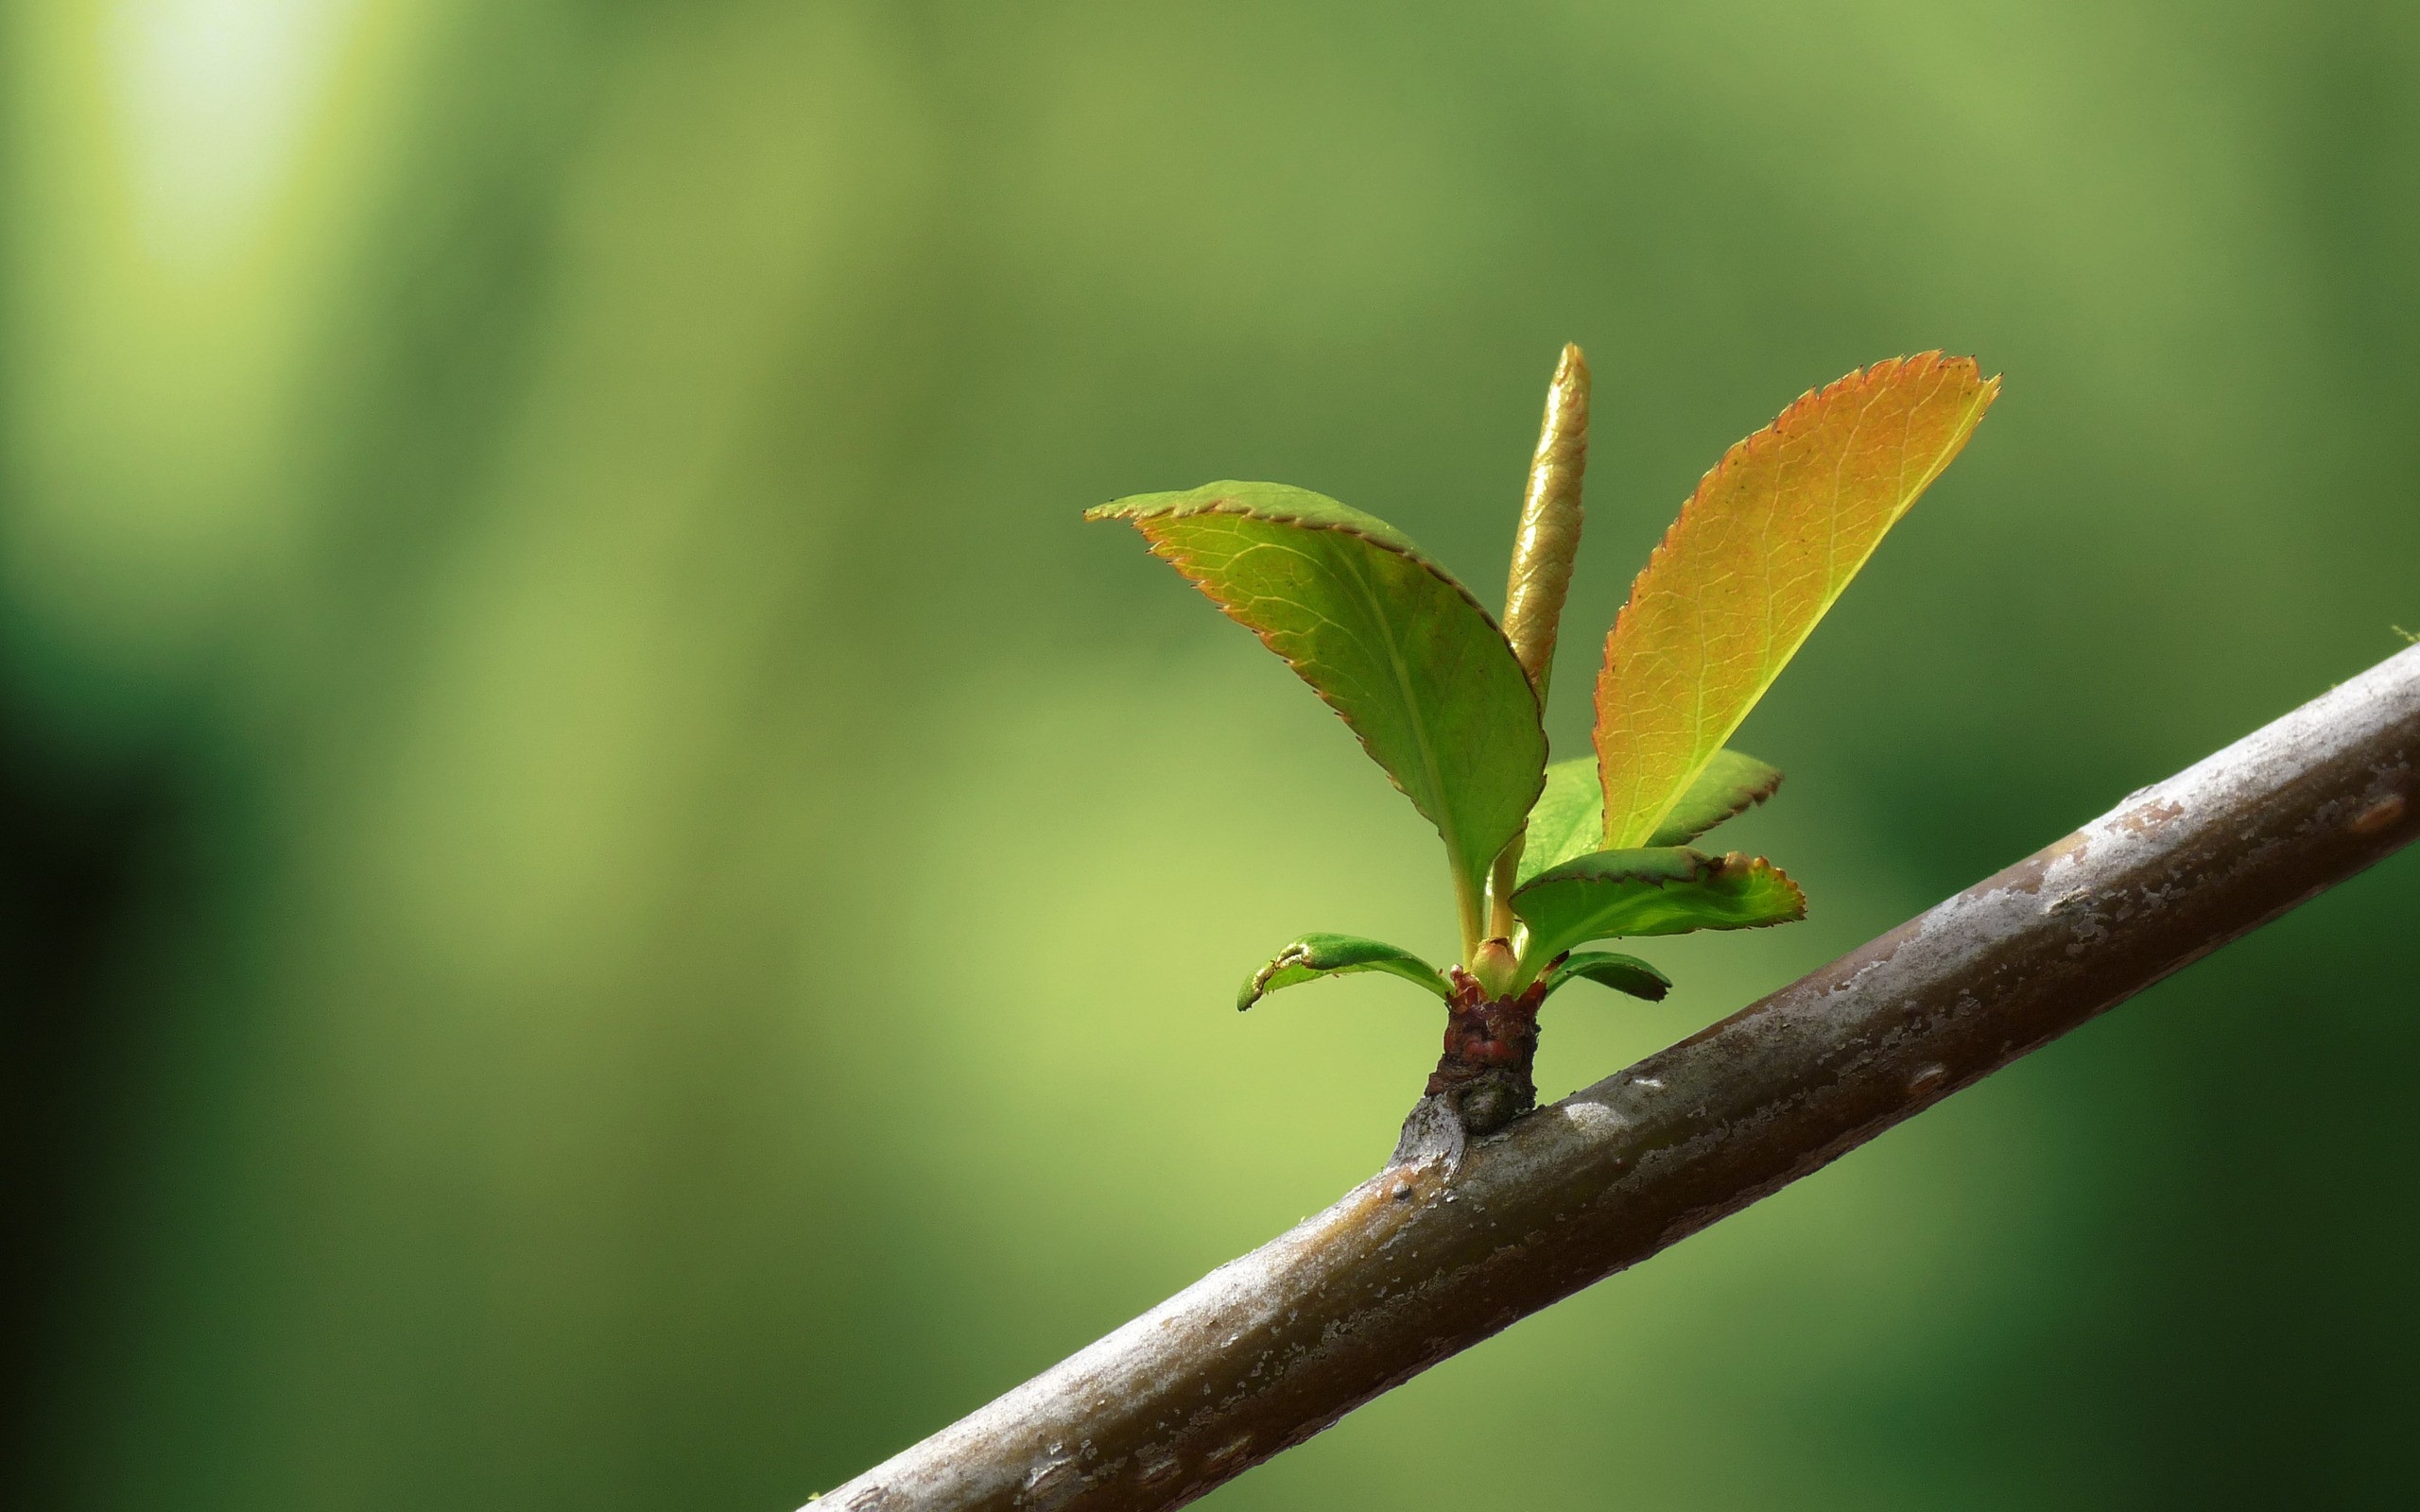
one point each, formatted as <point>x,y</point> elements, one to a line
<point>1669,890</point>
<point>1544,550</point>
<point>1760,551</point>
<point>1623,973</point>
<point>1569,819</point>
<point>1393,644</point>
<point>1316,956</point>
<point>1548,540</point>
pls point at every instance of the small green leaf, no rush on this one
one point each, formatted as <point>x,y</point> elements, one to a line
<point>1669,890</point>
<point>1316,956</point>
<point>1729,786</point>
<point>1393,644</point>
<point>1569,819</point>
<point>1623,973</point>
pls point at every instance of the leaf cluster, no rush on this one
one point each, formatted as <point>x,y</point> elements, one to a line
<point>1543,859</point>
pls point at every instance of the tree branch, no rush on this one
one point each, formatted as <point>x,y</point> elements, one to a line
<point>1451,1243</point>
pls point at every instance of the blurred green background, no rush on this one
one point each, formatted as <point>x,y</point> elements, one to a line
<point>610,905</point>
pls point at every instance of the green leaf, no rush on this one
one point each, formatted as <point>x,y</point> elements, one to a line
<point>1316,956</point>
<point>1623,973</point>
<point>1569,819</point>
<point>1669,890</point>
<point>1760,551</point>
<point>1728,787</point>
<point>1397,647</point>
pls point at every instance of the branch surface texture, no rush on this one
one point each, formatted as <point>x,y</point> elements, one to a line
<point>1453,1242</point>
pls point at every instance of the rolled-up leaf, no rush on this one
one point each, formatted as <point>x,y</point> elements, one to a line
<point>1548,540</point>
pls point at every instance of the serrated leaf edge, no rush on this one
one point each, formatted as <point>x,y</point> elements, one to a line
<point>1754,796</point>
<point>1403,548</point>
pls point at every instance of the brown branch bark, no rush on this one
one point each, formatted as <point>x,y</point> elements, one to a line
<point>1453,1242</point>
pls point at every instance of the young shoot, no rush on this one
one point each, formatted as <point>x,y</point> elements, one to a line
<point>1543,859</point>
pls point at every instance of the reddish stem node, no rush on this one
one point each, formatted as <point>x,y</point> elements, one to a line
<point>1485,1071</point>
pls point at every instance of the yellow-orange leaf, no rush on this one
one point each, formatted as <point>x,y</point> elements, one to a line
<point>1759,552</point>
